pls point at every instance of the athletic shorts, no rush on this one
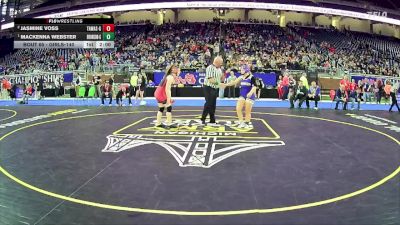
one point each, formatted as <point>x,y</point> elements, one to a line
<point>252,98</point>
<point>162,102</point>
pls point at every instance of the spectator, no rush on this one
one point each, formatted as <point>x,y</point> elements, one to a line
<point>231,89</point>
<point>221,92</point>
<point>354,96</point>
<point>142,81</point>
<point>13,92</point>
<point>27,94</point>
<point>368,90</point>
<point>303,78</point>
<point>96,79</point>
<point>111,81</point>
<point>314,94</point>
<point>345,82</point>
<point>387,89</point>
<point>57,86</point>
<point>270,47</point>
<point>260,85</point>
<point>118,97</point>
<point>379,90</point>
<point>341,97</point>
<point>77,84</point>
<point>134,83</point>
<point>150,83</point>
<point>393,94</point>
<point>291,85</point>
<point>300,94</point>
<point>106,93</point>
<point>6,87</point>
<point>279,88</point>
<point>40,88</point>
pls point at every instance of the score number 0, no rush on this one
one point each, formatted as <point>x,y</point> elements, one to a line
<point>108,27</point>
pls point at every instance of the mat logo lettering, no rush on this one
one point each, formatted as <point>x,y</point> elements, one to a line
<point>192,144</point>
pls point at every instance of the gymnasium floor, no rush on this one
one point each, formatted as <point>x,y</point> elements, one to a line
<point>80,164</point>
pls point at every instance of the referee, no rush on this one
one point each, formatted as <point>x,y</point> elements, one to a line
<point>211,85</point>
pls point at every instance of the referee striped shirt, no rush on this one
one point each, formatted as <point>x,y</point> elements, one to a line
<point>213,72</point>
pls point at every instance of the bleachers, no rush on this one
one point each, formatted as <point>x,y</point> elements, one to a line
<point>192,45</point>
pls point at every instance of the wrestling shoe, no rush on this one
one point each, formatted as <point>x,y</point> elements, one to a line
<point>161,126</point>
<point>213,124</point>
<point>242,125</point>
<point>171,126</point>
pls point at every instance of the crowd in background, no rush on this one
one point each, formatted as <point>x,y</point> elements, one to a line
<point>192,46</point>
<point>349,91</point>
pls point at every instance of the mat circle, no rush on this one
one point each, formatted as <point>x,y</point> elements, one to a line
<point>202,213</point>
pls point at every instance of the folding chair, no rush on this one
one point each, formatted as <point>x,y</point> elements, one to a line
<point>81,94</point>
<point>92,92</point>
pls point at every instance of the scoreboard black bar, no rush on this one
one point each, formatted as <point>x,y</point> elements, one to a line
<point>59,36</point>
<point>55,21</point>
<point>64,33</point>
<point>29,28</point>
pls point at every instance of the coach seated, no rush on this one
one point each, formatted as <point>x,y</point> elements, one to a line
<point>314,93</point>
<point>341,97</point>
<point>106,90</point>
<point>355,96</point>
<point>300,94</point>
<point>27,94</point>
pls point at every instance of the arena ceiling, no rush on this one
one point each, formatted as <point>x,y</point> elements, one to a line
<point>386,11</point>
<point>388,4</point>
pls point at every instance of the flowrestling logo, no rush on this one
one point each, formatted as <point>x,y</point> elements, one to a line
<point>192,144</point>
<point>35,118</point>
<point>375,120</point>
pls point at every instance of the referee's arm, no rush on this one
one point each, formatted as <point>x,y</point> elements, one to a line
<point>212,75</point>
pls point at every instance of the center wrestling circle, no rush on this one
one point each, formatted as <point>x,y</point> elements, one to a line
<point>200,213</point>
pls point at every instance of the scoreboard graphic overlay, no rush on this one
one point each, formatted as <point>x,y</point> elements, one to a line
<point>64,33</point>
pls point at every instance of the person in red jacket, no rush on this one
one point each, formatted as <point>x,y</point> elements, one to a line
<point>4,88</point>
<point>279,87</point>
<point>345,82</point>
<point>285,86</point>
<point>353,85</point>
<point>106,90</point>
<point>27,94</point>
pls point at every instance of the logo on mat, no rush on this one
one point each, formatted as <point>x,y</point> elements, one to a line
<point>193,144</point>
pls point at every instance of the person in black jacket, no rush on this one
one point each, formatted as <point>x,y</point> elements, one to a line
<point>300,94</point>
<point>13,92</point>
<point>260,85</point>
<point>96,79</point>
<point>393,94</point>
<point>341,96</point>
<point>118,97</point>
<point>40,88</point>
<point>142,81</point>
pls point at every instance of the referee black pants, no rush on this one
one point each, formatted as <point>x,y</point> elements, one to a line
<point>210,95</point>
<point>394,102</point>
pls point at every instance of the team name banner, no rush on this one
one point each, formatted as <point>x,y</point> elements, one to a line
<point>48,78</point>
<point>197,79</point>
